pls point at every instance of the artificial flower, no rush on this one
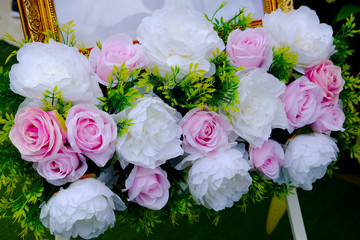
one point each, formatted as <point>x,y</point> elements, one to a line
<point>85,209</point>
<point>261,108</point>
<point>44,66</point>
<point>302,31</point>
<point>331,118</point>
<point>116,50</point>
<point>178,36</point>
<point>63,167</point>
<point>328,77</point>
<point>91,132</point>
<point>307,158</point>
<point>154,136</point>
<point>250,48</point>
<point>218,182</point>
<point>302,102</point>
<point>205,132</point>
<point>37,134</point>
<point>148,187</point>
<point>268,158</point>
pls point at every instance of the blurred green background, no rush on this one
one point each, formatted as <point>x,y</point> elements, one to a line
<point>330,211</point>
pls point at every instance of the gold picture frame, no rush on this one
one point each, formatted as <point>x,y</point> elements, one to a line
<point>39,16</point>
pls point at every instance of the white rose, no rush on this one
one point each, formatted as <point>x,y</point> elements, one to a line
<point>178,36</point>
<point>218,182</point>
<point>85,209</point>
<point>260,108</point>
<point>302,31</point>
<point>307,158</point>
<point>154,136</point>
<point>42,66</point>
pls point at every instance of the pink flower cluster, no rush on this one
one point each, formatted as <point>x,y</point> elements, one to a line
<point>57,147</point>
<point>314,99</point>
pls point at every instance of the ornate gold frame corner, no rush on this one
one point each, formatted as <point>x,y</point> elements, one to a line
<point>39,16</point>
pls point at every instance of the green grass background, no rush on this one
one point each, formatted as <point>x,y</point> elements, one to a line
<point>330,211</point>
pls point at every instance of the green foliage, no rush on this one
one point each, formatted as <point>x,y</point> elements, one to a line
<point>350,98</point>
<point>194,89</point>
<point>342,43</point>
<point>226,83</point>
<point>223,28</point>
<point>122,91</point>
<point>6,122</point>
<point>283,63</point>
<point>191,91</point>
<point>331,168</point>
<point>8,99</point>
<point>261,189</point>
<point>10,103</point>
<point>23,207</point>
<point>350,94</point>
<point>67,34</point>
<point>123,126</point>
<point>55,101</point>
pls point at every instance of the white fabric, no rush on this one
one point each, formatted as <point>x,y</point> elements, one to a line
<point>98,19</point>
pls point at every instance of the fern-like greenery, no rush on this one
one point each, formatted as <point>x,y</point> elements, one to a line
<point>347,141</point>
<point>343,43</point>
<point>53,100</point>
<point>223,28</point>
<point>67,34</point>
<point>23,208</point>
<point>283,63</point>
<point>261,189</point>
<point>122,90</point>
<point>226,84</point>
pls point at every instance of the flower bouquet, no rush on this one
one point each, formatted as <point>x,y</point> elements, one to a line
<point>196,114</point>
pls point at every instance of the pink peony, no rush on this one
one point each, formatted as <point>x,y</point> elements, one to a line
<point>37,134</point>
<point>268,158</point>
<point>205,132</point>
<point>331,118</point>
<point>328,77</point>
<point>302,103</point>
<point>148,187</point>
<point>115,51</point>
<point>91,132</point>
<point>250,48</point>
<point>62,167</point>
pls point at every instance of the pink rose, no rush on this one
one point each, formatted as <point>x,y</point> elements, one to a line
<point>37,134</point>
<point>91,132</point>
<point>148,187</point>
<point>328,77</point>
<point>62,167</point>
<point>268,158</point>
<point>250,48</point>
<point>205,132</point>
<point>331,118</point>
<point>116,50</point>
<point>302,102</point>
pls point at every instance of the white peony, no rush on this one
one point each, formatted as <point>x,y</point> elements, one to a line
<point>154,136</point>
<point>178,36</point>
<point>218,182</point>
<point>85,209</point>
<point>261,108</point>
<point>307,158</point>
<point>302,31</point>
<point>42,66</point>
